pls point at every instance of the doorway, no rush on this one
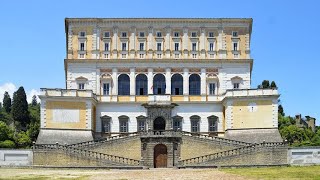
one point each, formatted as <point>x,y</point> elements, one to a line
<point>160,156</point>
<point>159,124</point>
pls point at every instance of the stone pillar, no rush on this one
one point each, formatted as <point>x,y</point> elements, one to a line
<point>115,42</point>
<point>98,83</point>
<point>168,81</point>
<point>70,42</point>
<point>132,82</point>
<point>203,82</point>
<point>115,81</point>
<point>185,81</point>
<point>150,39</point>
<point>150,81</point>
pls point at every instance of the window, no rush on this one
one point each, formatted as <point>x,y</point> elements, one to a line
<point>141,84</point>
<point>194,56</point>
<point>194,46</point>
<point>176,34</point>
<point>123,123</point>
<point>194,34</point>
<point>159,84</point>
<point>194,84</point>
<point>177,84</point>
<point>106,34</point>
<point>141,34</point>
<point>195,123</point>
<point>124,34</point>
<point>141,56</point>
<point>177,124</point>
<point>81,86</point>
<point>159,56</point>
<point>106,56</point>
<point>211,34</point>
<point>106,127</point>
<point>141,46</point>
<point>158,46</point>
<point>81,56</point>
<point>176,46</point>
<point>106,46</point>
<point>234,34</point>
<point>106,88</point>
<point>211,47</point>
<point>82,46</point>
<point>212,122</point>
<point>124,46</point>
<point>176,56</point>
<point>82,34</point>
<point>123,84</point>
<point>235,46</point>
<point>159,34</point>
<point>141,125</point>
<point>236,85</point>
<point>212,88</point>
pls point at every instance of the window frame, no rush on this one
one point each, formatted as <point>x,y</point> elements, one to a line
<point>81,86</point>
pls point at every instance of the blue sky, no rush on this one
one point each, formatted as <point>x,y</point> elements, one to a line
<point>284,46</point>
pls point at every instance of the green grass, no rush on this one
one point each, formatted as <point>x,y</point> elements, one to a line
<point>293,172</point>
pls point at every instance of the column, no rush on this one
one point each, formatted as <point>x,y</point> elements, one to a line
<point>70,42</point>
<point>150,81</point>
<point>115,42</point>
<point>185,81</point>
<point>203,81</point>
<point>98,83</point>
<point>132,82</point>
<point>168,81</point>
<point>115,81</point>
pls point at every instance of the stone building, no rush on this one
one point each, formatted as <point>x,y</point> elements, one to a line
<point>158,77</point>
<point>308,122</point>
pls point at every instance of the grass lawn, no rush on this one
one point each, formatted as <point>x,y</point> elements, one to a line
<point>293,172</point>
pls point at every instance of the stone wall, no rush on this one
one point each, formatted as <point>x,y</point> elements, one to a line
<point>15,157</point>
<point>194,147</point>
<point>263,156</point>
<point>60,158</point>
<point>129,147</point>
<point>304,156</point>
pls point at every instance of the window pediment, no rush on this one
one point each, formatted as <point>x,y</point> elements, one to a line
<point>81,78</point>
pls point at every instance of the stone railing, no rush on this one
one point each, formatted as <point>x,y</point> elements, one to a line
<point>216,138</point>
<point>164,133</point>
<point>250,92</point>
<point>159,99</point>
<point>88,154</point>
<point>103,140</point>
<point>67,93</point>
<point>232,152</point>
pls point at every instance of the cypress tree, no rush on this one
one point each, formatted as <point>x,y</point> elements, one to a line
<point>273,85</point>
<point>34,100</point>
<point>7,102</point>
<point>265,84</point>
<point>20,111</point>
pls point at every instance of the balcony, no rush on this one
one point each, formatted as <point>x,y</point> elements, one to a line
<point>161,134</point>
<point>159,99</point>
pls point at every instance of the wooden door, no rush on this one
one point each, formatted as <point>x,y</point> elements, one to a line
<point>160,156</point>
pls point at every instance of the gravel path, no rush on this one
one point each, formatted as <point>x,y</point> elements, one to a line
<point>153,174</point>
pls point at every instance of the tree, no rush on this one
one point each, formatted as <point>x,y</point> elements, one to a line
<point>265,84</point>
<point>280,110</point>
<point>273,85</point>
<point>34,100</point>
<point>7,102</point>
<point>20,111</point>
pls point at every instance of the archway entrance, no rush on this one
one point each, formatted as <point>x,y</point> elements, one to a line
<point>159,124</point>
<point>160,156</point>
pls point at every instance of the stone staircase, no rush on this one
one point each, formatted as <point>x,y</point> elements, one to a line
<point>102,158</point>
<point>98,142</point>
<point>215,139</point>
<point>214,159</point>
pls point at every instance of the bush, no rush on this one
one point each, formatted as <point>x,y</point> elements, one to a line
<point>22,140</point>
<point>7,144</point>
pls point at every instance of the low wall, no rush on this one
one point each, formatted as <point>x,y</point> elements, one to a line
<point>16,157</point>
<point>304,156</point>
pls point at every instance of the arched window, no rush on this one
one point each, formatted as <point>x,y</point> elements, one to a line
<point>176,84</point>
<point>159,84</point>
<point>123,123</point>
<point>177,123</point>
<point>212,122</point>
<point>141,84</point>
<point>194,84</point>
<point>195,123</point>
<point>123,84</point>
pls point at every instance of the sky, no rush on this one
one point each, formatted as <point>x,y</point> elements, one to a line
<point>284,42</point>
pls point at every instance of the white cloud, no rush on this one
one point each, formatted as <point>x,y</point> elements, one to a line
<point>11,88</point>
<point>31,93</point>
